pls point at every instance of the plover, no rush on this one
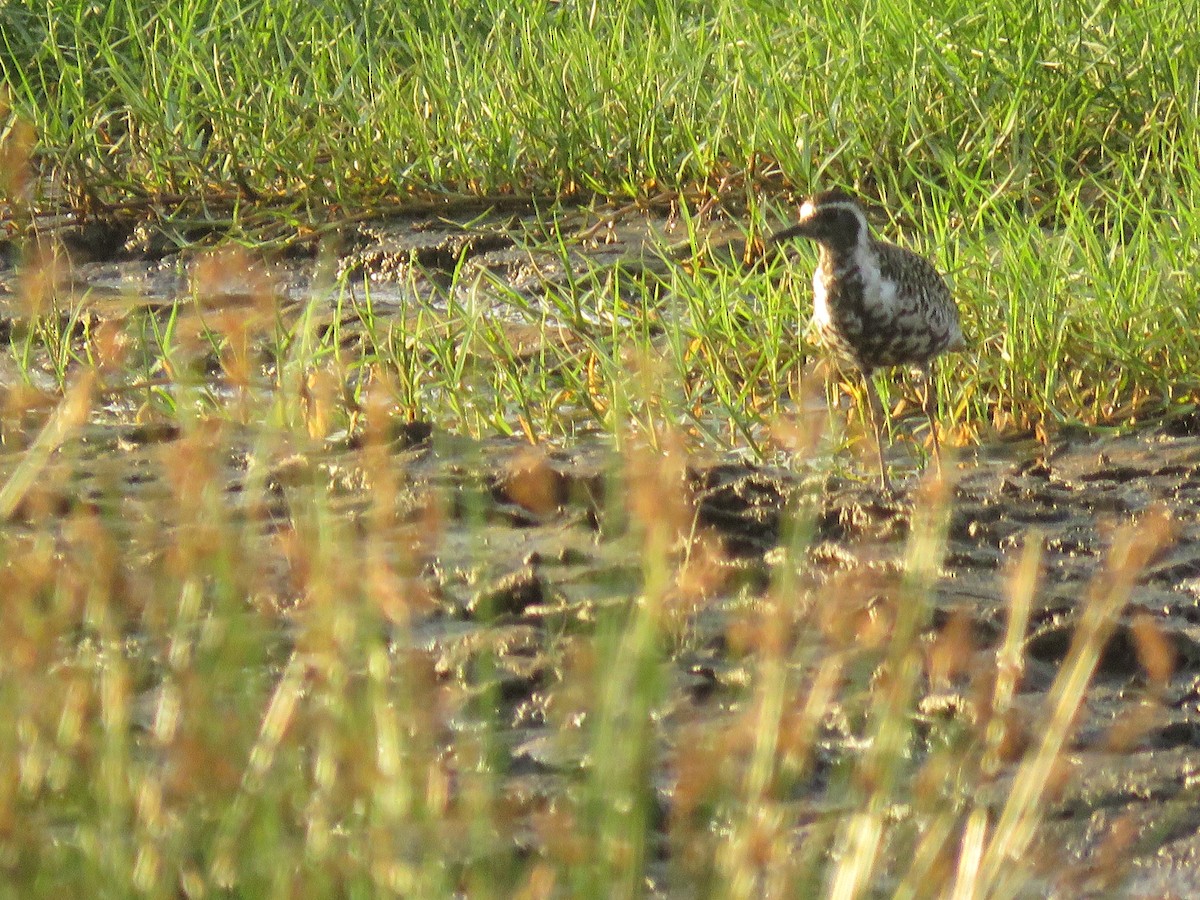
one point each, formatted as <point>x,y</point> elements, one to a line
<point>875,305</point>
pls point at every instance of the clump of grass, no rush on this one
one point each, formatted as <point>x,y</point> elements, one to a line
<point>1066,326</point>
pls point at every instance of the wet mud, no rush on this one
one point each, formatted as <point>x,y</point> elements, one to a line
<point>559,569</point>
<point>533,548</point>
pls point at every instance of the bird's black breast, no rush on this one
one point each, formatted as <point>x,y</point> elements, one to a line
<point>885,309</point>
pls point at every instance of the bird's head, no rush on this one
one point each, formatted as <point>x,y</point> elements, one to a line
<point>833,218</point>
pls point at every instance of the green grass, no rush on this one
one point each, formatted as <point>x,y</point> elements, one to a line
<point>1040,154</point>
<point>203,695</point>
<point>331,102</point>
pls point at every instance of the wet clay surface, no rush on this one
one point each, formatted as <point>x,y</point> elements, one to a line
<point>409,260</point>
<point>531,550</point>
<point>527,550</point>
<point>1074,493</point>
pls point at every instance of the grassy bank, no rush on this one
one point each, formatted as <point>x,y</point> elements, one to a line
<point>1040,155</point>
<point>346,102</point>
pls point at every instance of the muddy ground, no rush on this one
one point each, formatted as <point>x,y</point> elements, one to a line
<point>533,547</point>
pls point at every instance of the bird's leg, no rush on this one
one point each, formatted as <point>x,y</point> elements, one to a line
<point>878,415</point>
<point>929,403</point>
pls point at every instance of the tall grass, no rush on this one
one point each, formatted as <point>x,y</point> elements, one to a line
<point>335,102</point>
<point>209,689</point>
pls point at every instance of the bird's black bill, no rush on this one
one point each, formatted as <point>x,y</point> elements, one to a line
<point>800,230</point>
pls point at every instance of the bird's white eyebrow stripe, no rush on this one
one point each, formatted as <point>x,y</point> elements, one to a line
<point>837,204</point>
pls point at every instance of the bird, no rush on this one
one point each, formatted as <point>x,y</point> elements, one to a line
<point>875,305</point>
